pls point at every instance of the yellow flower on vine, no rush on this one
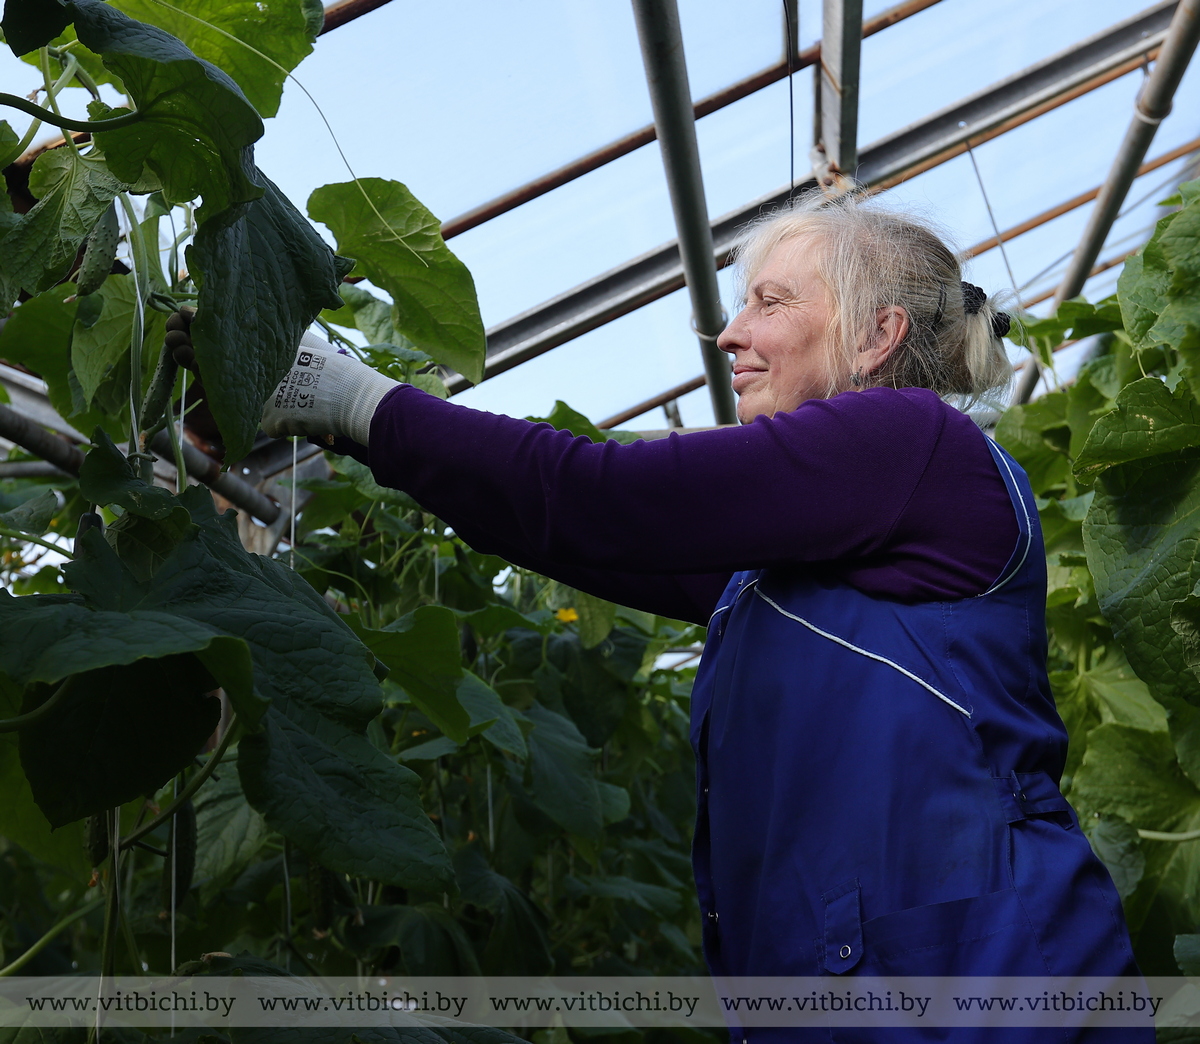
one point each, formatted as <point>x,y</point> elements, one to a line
<point>566,616</point>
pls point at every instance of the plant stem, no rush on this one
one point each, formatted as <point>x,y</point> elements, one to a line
<point>19,722</point>
<point>15,966</point>
<point>1159,835</point>
<point>16,534</point>
<point>177,442</point>
<point>185,794</point>
<point>108,952</point>
<point>52,90</point>
<point>14,101</point>
<point>140,274</point>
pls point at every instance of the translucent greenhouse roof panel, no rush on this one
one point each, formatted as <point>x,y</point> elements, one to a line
<point>484,97</point>
<point>956,48</point>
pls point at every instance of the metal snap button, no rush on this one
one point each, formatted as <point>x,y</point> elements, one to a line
<point>844,952</point>
<point>712,916</point>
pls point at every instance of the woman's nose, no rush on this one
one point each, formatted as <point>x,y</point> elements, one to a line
<point>732,338</point>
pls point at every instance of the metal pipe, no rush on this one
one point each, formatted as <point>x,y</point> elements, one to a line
<point>666,76</point>
<point>68,458</point>
<point>37,440</point>
<point>837,126</point>
<point>1151,108</point>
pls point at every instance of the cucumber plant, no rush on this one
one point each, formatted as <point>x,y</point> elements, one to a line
<point>437,763</point>
<point>1115,459</point>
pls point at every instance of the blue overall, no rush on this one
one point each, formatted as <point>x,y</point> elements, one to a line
<point>877,787</point>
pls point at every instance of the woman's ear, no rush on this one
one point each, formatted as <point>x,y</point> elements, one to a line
<point>891,327</point>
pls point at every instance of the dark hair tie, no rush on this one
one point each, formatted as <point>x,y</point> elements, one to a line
<point>974,298</point>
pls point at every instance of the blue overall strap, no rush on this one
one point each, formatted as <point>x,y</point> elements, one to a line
<point>1026,511</point>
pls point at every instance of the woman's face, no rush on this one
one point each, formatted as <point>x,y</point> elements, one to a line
<point>779,340</point>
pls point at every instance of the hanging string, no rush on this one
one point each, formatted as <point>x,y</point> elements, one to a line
<point>292,510</point>
<point>992,217</point>
<point>287,909</point>
<point>491,822</point>
<point>791,37</point>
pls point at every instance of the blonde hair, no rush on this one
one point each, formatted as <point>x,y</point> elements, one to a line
<point>871,258</point>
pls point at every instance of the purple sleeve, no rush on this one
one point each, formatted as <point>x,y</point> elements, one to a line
<point>893,490</point>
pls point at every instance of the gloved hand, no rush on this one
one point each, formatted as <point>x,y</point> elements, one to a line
<point>326,392</point>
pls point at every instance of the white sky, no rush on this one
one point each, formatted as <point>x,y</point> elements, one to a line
<point>463,101</point>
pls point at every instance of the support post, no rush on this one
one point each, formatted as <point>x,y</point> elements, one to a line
<point>1152,106</point>
<point>835,149</point>
<point>670,96</point>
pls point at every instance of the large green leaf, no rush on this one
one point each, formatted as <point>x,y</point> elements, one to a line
<point>30,24</point>
<point>399,247</point>
<point>33,515</point>
<point>429,939</point>
<point>422,654</point>
<point>663,902</point>
<point>20,818</point>
<point>197,125</point>
<point>1119,848</point>
<point>1143,548</point>
<point>1132,773</point>
<point>310,770</point>
<point>517,943</point>
<point>38,335</point>
<point>1157,287</point>
<point>100,347</point>
<point>1142,288</point>
<point>134,711</point>
<point>491,717</point>
<point>275,28</point>
<point>1149,420</point>
<point>1038,436</point>
<point>564,775</point>
<point>264,275</point>
<point>333,793</point>
<point>229,832</point>
<point>107,477</point>
<point>120,732</point>
<point>73,191</point>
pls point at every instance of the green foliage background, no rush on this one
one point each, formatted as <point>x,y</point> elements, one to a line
<point>437,764</point>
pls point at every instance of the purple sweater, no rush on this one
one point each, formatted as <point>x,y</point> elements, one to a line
<point>893,492</point>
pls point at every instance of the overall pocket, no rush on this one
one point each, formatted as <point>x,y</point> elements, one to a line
<point>980,935</point>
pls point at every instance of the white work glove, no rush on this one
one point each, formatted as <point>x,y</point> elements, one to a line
<point>325,393</point>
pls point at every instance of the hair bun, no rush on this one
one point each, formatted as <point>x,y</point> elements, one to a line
<point>1001,321</point>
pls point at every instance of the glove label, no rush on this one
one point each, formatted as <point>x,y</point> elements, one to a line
<point>299,388</point>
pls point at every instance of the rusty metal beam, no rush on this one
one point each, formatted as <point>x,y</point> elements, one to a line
<point>650,404</point>
<point>344,11</point>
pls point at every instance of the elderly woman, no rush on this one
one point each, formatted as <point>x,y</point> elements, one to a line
<point>877,747</point>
